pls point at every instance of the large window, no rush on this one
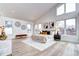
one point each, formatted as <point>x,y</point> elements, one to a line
<point>70,7</point>
<point>67,26</point>
<point>70,27</point>
<point>8,27</point>
<point>60,10</point>
<point>60,26</point>
<point>38,26</point>
<point>66,8</point>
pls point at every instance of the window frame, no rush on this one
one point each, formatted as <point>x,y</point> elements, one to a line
<point>29,29</point>
<point>75,26</point>
<point>65,26</point>
<point>39,26</point>
<point>70,11</point>
<point>64,9</point>
<point>59,7</point>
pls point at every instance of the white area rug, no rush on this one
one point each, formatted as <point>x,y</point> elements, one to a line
<point>39,46</point>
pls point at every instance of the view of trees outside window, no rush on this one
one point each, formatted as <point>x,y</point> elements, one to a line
<point>70,27</point>
<point>67,25</point>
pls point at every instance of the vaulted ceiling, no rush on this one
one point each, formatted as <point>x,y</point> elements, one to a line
<point>25,11</point>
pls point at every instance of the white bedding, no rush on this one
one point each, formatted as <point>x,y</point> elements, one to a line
<point>38,45</point>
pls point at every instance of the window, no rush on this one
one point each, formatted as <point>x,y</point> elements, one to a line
<point>67,26</point>
<point>70,7</point>
<point>28,27</point>
<point>8,27</point>
<point>60,26</point>
<point>39,25</point>
<point>66,8</point>
<point>70,27</point>
<point>60,10</point>
<point>36,26</point>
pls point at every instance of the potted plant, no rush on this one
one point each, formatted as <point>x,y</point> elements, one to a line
<point>3,36</point>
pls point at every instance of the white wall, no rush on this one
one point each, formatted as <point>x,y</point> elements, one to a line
<point>16,30</point>
<point>51,16</point>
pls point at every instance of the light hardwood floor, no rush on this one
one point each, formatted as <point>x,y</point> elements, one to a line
<point>57,49</point>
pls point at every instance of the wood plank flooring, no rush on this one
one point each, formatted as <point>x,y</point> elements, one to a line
<point>57,49</point>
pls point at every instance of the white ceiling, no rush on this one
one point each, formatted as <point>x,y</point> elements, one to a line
<point>25,11</point>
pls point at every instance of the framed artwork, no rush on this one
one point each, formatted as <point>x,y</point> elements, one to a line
<point>17,24</point>
<point>51,24</point>
<point>23,27</point>
<point>48,25</point>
